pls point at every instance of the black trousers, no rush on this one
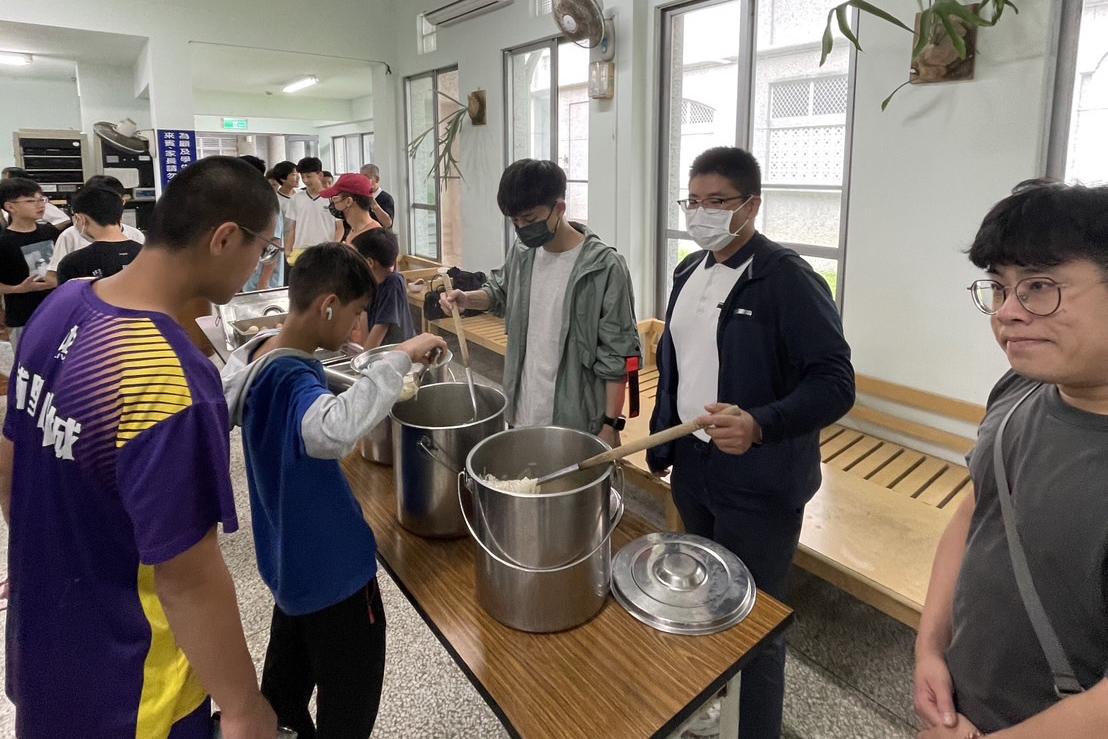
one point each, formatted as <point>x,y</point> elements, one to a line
<point>765,540</point>
<point>341,652</point>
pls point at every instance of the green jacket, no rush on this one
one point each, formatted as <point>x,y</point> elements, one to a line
<point>599,331</point>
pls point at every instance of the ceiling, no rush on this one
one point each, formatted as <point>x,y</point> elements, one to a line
<point>220,68</point>
<point>61,47</point>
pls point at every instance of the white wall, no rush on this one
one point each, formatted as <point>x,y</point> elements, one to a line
<point>924,174</point>
<point>35,103</point>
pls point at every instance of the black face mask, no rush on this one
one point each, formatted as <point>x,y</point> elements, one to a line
<point>535,235</point>
<point>336,212</point>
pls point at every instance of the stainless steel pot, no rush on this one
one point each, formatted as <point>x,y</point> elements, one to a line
<point>543,559</point>
<point>431,434</point>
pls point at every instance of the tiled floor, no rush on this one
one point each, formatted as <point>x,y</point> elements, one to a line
<point>848,675</point>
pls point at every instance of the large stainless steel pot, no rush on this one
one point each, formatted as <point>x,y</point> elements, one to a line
<point>431,434</point>
<point>376,446</point>
<point>543,559</point>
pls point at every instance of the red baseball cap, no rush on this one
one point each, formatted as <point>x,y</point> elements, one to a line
<point>350,184</point>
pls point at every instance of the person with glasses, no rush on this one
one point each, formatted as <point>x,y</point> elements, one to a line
<point>115,478</point>
<point>749,323</point>
<point>52,214</point>
<point>1044,250</point>
<point>26,247</point>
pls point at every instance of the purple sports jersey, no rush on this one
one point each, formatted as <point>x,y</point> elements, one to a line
<point>121,463</point>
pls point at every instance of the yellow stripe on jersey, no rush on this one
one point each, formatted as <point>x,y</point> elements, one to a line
<point>152,384</point>
<point>170,688</point>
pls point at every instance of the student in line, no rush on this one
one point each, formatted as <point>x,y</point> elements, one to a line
<point>97,215</point>
<point>382,205</point>
<point>749,323</point>
<point>114,480</point>
<point>567,301</point>
<point>308,220</point>
<point>350,201</point>
<point>25,249</point>
<point>51,214</point>
<point>388,320</point>
<point>71,239</point>
<point>315,550</point>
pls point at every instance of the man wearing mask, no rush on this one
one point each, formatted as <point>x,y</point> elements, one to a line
<point>749,323</point>
<point>568,306</point>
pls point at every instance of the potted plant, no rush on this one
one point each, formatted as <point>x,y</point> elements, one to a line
<point>945,35</point>
<point>451,126</point>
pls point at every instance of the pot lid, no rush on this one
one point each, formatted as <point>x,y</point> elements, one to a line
<point>682,584</point>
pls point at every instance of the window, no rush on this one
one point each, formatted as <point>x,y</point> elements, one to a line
<point>542,7</point>
<point>298,147</point>
<point>727,83</point>
<point>350,152</point>
<point>211,146</point>
<point>544,127</point>
<point>426,38</point>
<point>436,211</point>
<point>1086,146</point>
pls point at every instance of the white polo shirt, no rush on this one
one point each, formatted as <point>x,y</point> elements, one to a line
<point>693,328</point>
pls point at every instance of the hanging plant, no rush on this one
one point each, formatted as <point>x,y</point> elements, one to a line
<point>445,161</point>
<point>945,34</point>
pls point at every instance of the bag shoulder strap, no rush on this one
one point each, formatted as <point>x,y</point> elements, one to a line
<point>1065,683</point>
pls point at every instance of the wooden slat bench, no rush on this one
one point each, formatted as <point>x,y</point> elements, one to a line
<point>872,528</point>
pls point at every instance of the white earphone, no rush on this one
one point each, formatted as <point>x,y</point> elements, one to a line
<point>330,313</point>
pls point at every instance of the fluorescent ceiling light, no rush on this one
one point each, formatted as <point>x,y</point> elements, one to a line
<point>15,60</point>
<point>300,84</point>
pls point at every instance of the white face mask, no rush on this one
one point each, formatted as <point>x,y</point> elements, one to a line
<point>712,231</point>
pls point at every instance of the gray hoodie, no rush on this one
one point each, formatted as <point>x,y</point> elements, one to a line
<point>333,423</point>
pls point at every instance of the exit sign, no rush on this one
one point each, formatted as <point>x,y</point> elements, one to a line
<point>234,124</point>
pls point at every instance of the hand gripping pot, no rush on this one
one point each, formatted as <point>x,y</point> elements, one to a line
<point>543,559</point>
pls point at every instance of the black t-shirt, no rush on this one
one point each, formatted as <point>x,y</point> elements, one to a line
<point>386,202</point>
<point>20,252</point>
<point>98,259</point>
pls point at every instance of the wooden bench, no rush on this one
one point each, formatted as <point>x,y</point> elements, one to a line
<point>872,528</point>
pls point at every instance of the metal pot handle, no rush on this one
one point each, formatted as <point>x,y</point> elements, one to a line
<point>613,521</point>
<point>427,448</point>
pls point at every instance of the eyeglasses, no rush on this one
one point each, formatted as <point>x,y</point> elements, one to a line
<point>32,201</point>
<point>273,247</point>
<point>1040,296</point>
<point>710,205</point>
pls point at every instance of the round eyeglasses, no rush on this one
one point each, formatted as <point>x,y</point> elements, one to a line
<point>1040,296</point>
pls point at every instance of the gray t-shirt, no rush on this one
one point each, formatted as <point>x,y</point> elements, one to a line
<point>549,281</point>
<point>1056,457</point>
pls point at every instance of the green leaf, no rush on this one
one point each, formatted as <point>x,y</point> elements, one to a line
<point>957,40</point>
<point>828,39</point>
<point>956,8</point>
<point>876,11</point>
<point>886,101</point>
<point>924,23</point>
<point>844,26</point>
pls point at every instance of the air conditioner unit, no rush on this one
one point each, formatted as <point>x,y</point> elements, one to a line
<point>462,10</point>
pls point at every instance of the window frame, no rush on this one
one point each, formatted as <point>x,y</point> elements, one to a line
<point>413,206</point>
<point>744,136</point>
<point>1063,82</point>
<point>552,43</point>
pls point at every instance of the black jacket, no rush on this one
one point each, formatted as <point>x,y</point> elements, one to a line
<point>783,359</point>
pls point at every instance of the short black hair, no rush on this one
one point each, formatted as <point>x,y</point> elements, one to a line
<point>281,171</point>
<point>102,205</point>
<point>106,181</point>
<point>255,162</point>
<point>1044,224</point>
<point>736,165</point>
<point>13,172</point>
<point>325,173</point>
<point>17,187</point>
<point>212,191</point>
<point>378,244</point>
<point>329,268</point>
<point>529,183</point>
<point>307,165</point>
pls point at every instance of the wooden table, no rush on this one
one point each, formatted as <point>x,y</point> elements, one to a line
<point>613,677</point>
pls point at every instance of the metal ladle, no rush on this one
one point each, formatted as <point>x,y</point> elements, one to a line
<point>449,284</point>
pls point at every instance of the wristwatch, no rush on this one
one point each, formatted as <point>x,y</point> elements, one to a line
<point>618,423</point>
